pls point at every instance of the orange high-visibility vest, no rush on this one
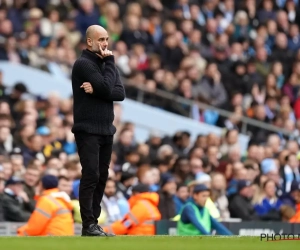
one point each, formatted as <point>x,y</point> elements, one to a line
<point>141,218</point>
<point>52,216</point>
<point>296,217</point>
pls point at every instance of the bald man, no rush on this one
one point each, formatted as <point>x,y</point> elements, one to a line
<point>96,85</point>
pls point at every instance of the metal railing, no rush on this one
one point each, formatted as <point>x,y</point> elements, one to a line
<point>178,100</point>
<point>10,228</point>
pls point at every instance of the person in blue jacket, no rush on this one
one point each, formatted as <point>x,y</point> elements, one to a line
<point>268,204</point>
<point>195,218</point>
<point>181,197</point>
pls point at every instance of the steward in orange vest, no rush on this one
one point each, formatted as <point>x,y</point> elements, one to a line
<point>142,216</point>
<point>52,214</point>
<point>296,195</point>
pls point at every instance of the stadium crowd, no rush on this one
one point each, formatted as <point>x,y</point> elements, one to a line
<point>245,57</point>
<point>36,140</point>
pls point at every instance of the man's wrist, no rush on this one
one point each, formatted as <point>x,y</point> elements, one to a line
<point>109,58</point>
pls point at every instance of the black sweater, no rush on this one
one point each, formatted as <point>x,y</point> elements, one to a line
<point>93,113</point>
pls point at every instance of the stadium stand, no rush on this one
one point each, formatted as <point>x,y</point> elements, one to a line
<point>226,63</point>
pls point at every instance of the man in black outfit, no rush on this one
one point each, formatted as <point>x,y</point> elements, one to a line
<point>96,85</point>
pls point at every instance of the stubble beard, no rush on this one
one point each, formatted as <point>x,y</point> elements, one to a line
<point>95,49</point>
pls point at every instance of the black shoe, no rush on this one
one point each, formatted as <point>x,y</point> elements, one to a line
<point>92,230</point>
<point>106,234</point>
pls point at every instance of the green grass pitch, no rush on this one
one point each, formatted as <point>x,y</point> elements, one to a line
<point>144,243</point>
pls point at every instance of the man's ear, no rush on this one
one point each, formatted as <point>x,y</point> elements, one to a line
<point>89,42</point>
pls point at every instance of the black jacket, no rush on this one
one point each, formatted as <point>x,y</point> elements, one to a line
<point>241,207</point>
<point>93,113</point>
<point>30,191</point>
<point>1,208</point>
<point>14,210</point>
<point>166,206</point>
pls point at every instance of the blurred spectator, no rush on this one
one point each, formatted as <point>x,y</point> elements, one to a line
<point>218,195</point>
<point>53,212</point>
<point>287,213</point>
<point>181,198</point>
<point>65,185</point>
<point>126,182</point>
<point>15,202</point>
<point>267,11</point>
<point>296,196</point>
<point>290,172</point>
<point>87,15</point>
<point>166,204</point>
<point>268,203</point>
<point>231,140</point>
<point>33,149</point>
<point>124,145</point>
<point>31,179</point>
<point>212,86</point>
<point>2,183</point>
<point>49,144</point>
<point>288,198</point>
<point>238,173</point>
<point>113,204</point>
<point>211,206</point>
<point>240,206</point>
<point>195,217</point>
<point>143,213</point>
<point>6,140</point>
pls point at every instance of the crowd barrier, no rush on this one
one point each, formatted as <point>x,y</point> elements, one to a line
<point>166,227</point>
<point>251,228</point>
<point>10,228</point>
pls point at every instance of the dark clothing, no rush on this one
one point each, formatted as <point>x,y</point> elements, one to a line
<point>241,207</point>
<point>30,191</point>
<point>261,135</point>
<point>126,191</point>
<point>28,155</point>
<point>171,57</point>
<point>1,208</point>
<point>84,20</point>
<point>234,82</point>
<point>95,153</point>
<point>94,113</point>
<point>121,151</point>
<point>285,57</point>
<point>137,37</point>
<point>153,151</point>
<point>166,206</point>
<point>12,101</point>
<point>209,91</point>
<point>264,15</point>
<point>13,209</point>
<point>288,177</point>
<point>93,128</point>
<point>288,200</point>
<point>2,92</point>
<point>16,16</point>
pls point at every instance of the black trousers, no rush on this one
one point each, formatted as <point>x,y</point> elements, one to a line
<point>95,154</point>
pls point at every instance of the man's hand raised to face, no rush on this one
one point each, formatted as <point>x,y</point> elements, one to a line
<point>104,53</point>
<point>88,88</point>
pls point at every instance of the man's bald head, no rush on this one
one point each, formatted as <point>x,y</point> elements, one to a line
<point>96,36</point>
<point>93,29</point>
